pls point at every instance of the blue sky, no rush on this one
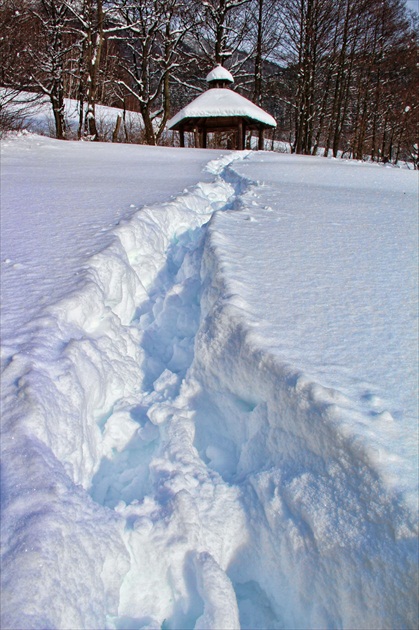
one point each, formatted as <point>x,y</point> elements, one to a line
<point>413,4</point>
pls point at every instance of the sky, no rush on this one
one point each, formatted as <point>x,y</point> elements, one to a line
<point>413,4</point>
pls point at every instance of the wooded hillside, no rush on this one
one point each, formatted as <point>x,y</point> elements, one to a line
<point>338,75</point>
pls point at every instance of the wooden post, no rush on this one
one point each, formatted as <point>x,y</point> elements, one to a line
<point>260,143</point>
<point>116,130</point>
<point>240,136</point>
<point>182,136</point>
<point>204,138</point>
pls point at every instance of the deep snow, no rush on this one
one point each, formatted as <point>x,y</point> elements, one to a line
<point>341,273</point>
<point>66,204</point>
<point>197,432</point>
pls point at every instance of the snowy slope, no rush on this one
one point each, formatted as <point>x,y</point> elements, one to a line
<point>35,114</point>
<point>176,452</point>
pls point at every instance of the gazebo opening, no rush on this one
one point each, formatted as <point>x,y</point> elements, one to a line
<point>222,113</point>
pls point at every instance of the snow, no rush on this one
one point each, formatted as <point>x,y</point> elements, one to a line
<point>221,102</point>
<point>350,320</point>
<point>198,432</point>
<point>67,209</point>
<point>219,74</point>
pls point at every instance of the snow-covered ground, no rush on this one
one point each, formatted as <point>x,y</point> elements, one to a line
<point>209,399</point>
<point>61,206</point>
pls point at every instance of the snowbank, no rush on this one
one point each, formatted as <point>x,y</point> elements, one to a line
<point>328,545</point>
<point>60,204</point>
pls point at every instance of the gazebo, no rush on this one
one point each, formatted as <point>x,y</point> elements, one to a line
<point>219,109</point>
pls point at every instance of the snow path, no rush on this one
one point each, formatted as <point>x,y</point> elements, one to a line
<point>184,477</point>
<point>81,414</point>
<point>184,522</point>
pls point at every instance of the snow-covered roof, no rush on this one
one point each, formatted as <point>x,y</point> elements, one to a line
<point>221,103</point>
<point>219,74</point>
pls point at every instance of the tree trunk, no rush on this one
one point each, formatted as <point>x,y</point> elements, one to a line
<point>57,102</point>
<point>94,49</point>
<point>117,127</point>
<point>150,135</point>
<point>258,57</point>
<point>260,140</point>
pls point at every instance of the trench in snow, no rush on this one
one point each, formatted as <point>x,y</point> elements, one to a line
<point>183,518</point>
<point>167,322</point>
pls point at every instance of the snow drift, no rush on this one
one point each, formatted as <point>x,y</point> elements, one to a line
<point>162,469</point>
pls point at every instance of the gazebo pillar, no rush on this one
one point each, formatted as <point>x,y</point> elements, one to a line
<point>204,138</point>
<point>182,136</point>
<point>240,136</point>
<point>260,143</point>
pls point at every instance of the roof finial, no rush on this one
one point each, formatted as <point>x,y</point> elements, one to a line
<point>219,77</point>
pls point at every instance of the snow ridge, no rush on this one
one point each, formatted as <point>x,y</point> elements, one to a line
<point>182,475</point>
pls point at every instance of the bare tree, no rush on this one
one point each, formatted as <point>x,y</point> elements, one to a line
<point>39,41</point>
<point>150,34</point>
<point>339,75</point>
<point>264,38</point>
<point>222,30</point>
<point>343,75</point>
<point>308,25</point>
<point>89,22</point>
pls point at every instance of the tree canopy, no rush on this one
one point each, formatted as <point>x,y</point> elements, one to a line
<point>339,76</point>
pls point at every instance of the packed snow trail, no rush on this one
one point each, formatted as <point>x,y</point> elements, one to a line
<point>223,492</point>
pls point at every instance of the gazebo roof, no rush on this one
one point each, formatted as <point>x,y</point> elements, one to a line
<point>221,103</point>
<point>219,73</point>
